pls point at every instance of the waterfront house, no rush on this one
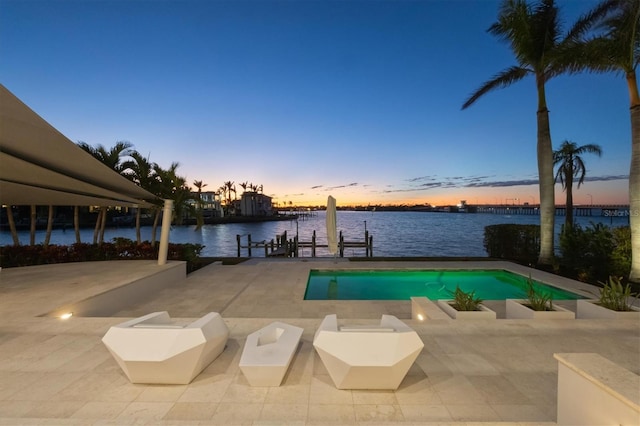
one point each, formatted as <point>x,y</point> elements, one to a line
<point>255,204</point>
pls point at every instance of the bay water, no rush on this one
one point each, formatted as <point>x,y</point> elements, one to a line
<point>395,234</point>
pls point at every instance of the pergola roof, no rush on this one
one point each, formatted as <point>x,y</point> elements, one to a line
<point>39,165</point>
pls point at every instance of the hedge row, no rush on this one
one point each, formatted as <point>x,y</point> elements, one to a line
<point>119,249</point>
<point>520,243</point>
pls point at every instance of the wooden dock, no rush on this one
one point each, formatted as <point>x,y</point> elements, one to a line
<point>283,247</point>
<point>279,247</point>
<point>366,244</point>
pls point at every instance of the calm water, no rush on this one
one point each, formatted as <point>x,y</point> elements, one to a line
<point>402,285</point>
<point>394,233</point>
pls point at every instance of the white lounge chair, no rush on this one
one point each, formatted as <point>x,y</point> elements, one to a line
<point>367,357</point>
<point>268,352</point>
<point>153,349</point>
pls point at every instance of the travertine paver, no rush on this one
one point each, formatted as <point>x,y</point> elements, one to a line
<point>57,372</point>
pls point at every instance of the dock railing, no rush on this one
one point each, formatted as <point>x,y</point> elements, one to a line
<point>367,244</point>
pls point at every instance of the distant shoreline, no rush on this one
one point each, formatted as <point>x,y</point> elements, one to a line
<point>131,224</point>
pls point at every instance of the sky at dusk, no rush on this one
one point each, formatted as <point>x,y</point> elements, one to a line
<point>356,99</point>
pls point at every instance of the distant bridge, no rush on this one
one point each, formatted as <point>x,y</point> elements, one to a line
<point>606,210</point>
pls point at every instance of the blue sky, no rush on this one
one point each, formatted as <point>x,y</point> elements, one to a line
<point>358,99</point>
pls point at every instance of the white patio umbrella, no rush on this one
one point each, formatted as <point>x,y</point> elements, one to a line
<point>332,230</point>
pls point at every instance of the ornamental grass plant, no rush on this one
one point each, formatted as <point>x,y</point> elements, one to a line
<point>615,296</point>
<point>465,301</point>
<point>537,299</point>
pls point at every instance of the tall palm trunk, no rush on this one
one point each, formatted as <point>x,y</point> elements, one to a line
<point>199,213</point>
<point>568,220</point>
<point>12,226</point>
<point>546,178</point>
<point>103,224</point>
<point>138,236</point>
<point>76,223</point>
<point>156,218</point>
<point>96,230</point>
<point>634,179</point>
<point>47,237</point>
<point>32,228</point>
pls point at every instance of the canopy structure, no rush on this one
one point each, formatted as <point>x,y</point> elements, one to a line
<point>39,165</point>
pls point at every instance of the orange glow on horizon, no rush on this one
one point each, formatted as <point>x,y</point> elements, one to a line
<point>596,193</point>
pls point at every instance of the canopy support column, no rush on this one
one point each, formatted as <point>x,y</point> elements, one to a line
<point>164,233</point>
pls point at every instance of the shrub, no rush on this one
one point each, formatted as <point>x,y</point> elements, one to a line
<point>465,301</point>
<point>120,248</point>
<point>520,243</point>
<point>594,253</point>
<point>615,296</point>
<point>621,254</point>
<point>537,299</point>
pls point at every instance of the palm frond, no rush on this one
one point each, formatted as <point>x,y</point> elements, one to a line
<point>545,26</point>
<point>590,20</point>
<point>501,80</point>
<point>579,169</point>
<point>590,148</point>
<point>618,22</point>
<point>597,54</point>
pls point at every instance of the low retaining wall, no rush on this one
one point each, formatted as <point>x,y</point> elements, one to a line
<point>595,391</point>
<point>119,298</point>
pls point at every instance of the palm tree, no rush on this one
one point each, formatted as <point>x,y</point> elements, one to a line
<point>228,187</point>
<point>163,191</point>
<point>112,158</point>
<point>181,197</point>
<point>571,165</point>
<point>199,218</point>
<point>141,171</point>
<point>616,48</point>
<point>244,185</point>
<point>533,33</point>
<point>174,187</point>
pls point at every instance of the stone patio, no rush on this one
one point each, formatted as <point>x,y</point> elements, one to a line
<point>58,372</point>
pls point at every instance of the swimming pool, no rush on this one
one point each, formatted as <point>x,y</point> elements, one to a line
<point>434,284</point>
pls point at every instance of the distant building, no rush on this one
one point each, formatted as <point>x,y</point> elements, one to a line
<point>211,204</point>
<point>255,204</point>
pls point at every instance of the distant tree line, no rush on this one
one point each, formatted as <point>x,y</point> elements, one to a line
<point>163,183</point>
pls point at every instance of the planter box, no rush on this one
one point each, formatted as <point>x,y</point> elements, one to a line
<point>517,309</point>
<point>589,308</point>
<point>483,313</point>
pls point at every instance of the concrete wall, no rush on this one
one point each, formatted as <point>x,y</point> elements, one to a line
<point>123,297</point>
<point>595,391</point>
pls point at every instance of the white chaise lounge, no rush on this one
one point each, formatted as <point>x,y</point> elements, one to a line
<point>367,357</point>
<point>153,349</point>
<point>268,352</point>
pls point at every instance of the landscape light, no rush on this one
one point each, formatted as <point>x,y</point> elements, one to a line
<point>66,315</point>
<point>420,317</point>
